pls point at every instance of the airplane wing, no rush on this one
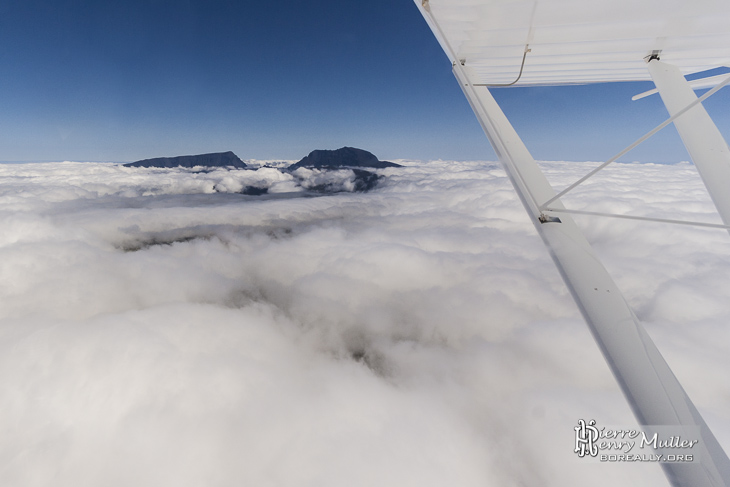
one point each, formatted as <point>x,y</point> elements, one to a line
<point>551,42</point>
<point>582,41</point>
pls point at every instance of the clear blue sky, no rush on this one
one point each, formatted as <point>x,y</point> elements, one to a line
<point>126,80</point>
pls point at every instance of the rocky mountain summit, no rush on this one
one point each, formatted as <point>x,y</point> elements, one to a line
<point>216,159</point>
<point>323,171</point>
<point>345,157</point>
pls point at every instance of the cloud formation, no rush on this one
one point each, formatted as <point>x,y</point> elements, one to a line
<point>158,328</point>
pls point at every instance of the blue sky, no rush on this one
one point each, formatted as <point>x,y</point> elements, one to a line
<point>126,80</point>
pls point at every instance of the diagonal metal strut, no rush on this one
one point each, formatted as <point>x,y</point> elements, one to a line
<point>638,142</point>
<point>640,218</point>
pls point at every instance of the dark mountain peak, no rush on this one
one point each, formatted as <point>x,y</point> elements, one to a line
<point>344,157</point>
<point>216,159</point>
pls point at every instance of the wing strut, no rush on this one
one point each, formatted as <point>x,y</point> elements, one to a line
<point>653,392</point>
<point>651,389</point>
<point>703,140</point>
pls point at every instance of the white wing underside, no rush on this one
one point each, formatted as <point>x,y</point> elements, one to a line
<point>582,41</point>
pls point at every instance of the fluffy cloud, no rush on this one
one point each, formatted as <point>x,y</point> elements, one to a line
<point>158,328</point>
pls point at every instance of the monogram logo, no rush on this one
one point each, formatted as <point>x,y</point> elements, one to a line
<point>586,436</point>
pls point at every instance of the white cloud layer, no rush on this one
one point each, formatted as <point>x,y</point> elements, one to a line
<point>154,332</point>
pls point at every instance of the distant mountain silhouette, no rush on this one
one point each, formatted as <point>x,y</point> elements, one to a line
<point>344,157</point>
<point>216,159</point>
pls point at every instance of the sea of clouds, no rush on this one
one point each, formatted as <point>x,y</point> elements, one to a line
<point>158,328</point>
